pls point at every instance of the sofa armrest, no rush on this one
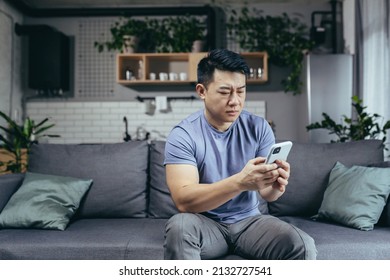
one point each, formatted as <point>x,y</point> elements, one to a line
<point>9,183</point>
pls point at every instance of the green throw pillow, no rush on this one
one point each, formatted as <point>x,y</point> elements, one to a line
<point>355,196</point>
<point>44,201</point>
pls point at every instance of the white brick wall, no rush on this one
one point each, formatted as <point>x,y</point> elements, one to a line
<point>102,122</point>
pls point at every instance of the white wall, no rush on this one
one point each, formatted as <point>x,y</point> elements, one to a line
<point>349,25</point>
<point>10,62</point>
<point>102,122</point>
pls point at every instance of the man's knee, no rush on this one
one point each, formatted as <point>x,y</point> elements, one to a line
<point>301,245</point>
<point>181,223</point>
<point>181,241</point>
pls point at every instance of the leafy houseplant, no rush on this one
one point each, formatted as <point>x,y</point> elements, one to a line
<point>183,32</point>
<point>17,140</point>
<point>365,126</point>
<point>130,33</point>
<point>171,34</point>
<point>285,39</point>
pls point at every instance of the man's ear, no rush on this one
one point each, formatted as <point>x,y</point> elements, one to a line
<point>201,90</point>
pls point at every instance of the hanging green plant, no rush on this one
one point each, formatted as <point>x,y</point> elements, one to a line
<point>285,39</point>
<point>169,34</point>
<point>183,31</point>
<point>132,35</point>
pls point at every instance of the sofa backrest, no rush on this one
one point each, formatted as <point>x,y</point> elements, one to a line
<point>160,202</point>
<point>9,184</point>
<point>129,178</point>
<point>311,164</point>
<point>118,171</point>
<point>121,185</point>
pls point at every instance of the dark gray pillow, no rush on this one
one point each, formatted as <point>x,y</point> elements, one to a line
<point>160,201</point>
<point>355,196</point>
<point>118,171</point>
<point>9,183</point>
<point>44,201</point>
<point>311,164</point>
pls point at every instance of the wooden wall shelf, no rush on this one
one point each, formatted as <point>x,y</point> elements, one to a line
<point>142,65</point>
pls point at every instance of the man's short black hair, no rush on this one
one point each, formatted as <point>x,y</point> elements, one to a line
<point>221,59</point>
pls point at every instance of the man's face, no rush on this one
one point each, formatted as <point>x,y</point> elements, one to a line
<point>224,98</point>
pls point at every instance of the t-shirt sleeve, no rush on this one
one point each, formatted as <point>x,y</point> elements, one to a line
<point>179,148</point>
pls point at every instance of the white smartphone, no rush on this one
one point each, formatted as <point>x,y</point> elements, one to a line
<point>279,151</point>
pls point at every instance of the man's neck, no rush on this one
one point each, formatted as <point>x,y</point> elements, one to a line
<point>220,126</point>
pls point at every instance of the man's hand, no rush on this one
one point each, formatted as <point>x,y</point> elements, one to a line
<point>191,196</point>
<point>269,179</point>
<point>278,187</point>
<point>256,175</point>
<point>284,174</point>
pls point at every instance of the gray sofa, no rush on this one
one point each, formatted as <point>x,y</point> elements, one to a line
<point>122,216</point>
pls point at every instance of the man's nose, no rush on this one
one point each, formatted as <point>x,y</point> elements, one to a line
<point>233,99</point>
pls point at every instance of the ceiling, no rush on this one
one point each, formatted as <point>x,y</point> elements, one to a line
<point>89,4</point>
<point>55,8</point>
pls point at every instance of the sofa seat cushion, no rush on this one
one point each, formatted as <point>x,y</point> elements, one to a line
<point>118,171</point>
<point>311,165</point>
<point>87,239</point>
<point>337,242</point>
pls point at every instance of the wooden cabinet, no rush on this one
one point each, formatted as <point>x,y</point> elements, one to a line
<point>139,68</point>
<point>258,64</point>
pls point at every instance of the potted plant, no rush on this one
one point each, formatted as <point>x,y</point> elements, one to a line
<point>130,35</point>
<point>186,33</point>
<point>160,34</point>
<point>364,126</point>
<point>170,34</point>
<point>16,142</point>
<point>285,39</point>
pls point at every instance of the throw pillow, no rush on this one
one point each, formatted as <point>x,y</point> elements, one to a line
<point>44,201</point>
<point>355,196</point>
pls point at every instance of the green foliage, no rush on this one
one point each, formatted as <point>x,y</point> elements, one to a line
<point>142,29</point>
<point>170,34</point>
<point>18,138</point>
<point>365,126</point>
<point>183,31</point>
<point>285,39</point>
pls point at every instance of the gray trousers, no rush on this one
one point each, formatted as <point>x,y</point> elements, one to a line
<point>193,236</point>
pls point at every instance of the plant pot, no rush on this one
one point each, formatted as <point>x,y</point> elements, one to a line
<point>6,156</point>
<point>197,46</point>
<point>130,44</point>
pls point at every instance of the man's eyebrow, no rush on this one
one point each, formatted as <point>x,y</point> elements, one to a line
<point>229,87</point>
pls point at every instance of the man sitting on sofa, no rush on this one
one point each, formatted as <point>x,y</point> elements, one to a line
<point>215,165</point>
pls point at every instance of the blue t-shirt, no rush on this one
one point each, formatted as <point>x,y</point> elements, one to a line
<point>218,155</point>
